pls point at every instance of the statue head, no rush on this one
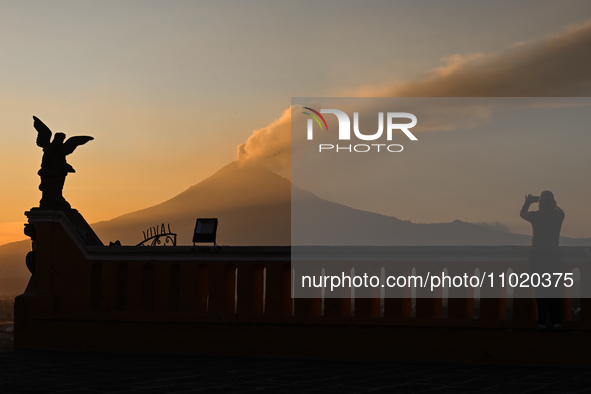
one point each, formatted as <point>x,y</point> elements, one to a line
<point>59,137</point>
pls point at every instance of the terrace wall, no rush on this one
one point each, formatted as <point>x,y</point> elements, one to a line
<point>85,296</point>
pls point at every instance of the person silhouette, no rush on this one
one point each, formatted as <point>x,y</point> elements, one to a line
<point>544,256</point>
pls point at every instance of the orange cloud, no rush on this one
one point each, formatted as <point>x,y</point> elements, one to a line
<point>271,145</point>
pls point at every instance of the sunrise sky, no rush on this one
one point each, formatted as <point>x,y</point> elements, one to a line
<point>170,89</point>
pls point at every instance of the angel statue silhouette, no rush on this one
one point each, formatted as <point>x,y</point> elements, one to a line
<point>54,167</point>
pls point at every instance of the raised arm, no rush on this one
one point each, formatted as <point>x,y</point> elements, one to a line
<point>529,199</point>
<point>560,211</point>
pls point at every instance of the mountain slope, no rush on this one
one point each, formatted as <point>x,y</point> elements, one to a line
<point>321,222</point>
<point>251,203</point>
<point>14,274</point>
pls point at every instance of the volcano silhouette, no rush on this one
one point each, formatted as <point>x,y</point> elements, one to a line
<point>253,206</point>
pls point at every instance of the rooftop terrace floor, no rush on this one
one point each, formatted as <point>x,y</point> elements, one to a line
<point>73,372</point>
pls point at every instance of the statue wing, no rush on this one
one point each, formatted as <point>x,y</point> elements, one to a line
<point>73,142</point>
<point>43,133</point>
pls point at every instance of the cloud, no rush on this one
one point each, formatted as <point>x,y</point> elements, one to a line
<point>552,67</point>
<point>555,66</point>
<point>269,146</point>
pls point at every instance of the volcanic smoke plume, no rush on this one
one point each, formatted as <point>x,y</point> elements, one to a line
<point>555,66</point>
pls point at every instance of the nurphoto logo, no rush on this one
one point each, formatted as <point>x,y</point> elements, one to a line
<point>345,130</point>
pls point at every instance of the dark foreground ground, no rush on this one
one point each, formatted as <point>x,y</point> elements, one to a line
<point>68,372</point>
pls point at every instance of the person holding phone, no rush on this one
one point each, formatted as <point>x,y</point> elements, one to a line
<point>544,257</point>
